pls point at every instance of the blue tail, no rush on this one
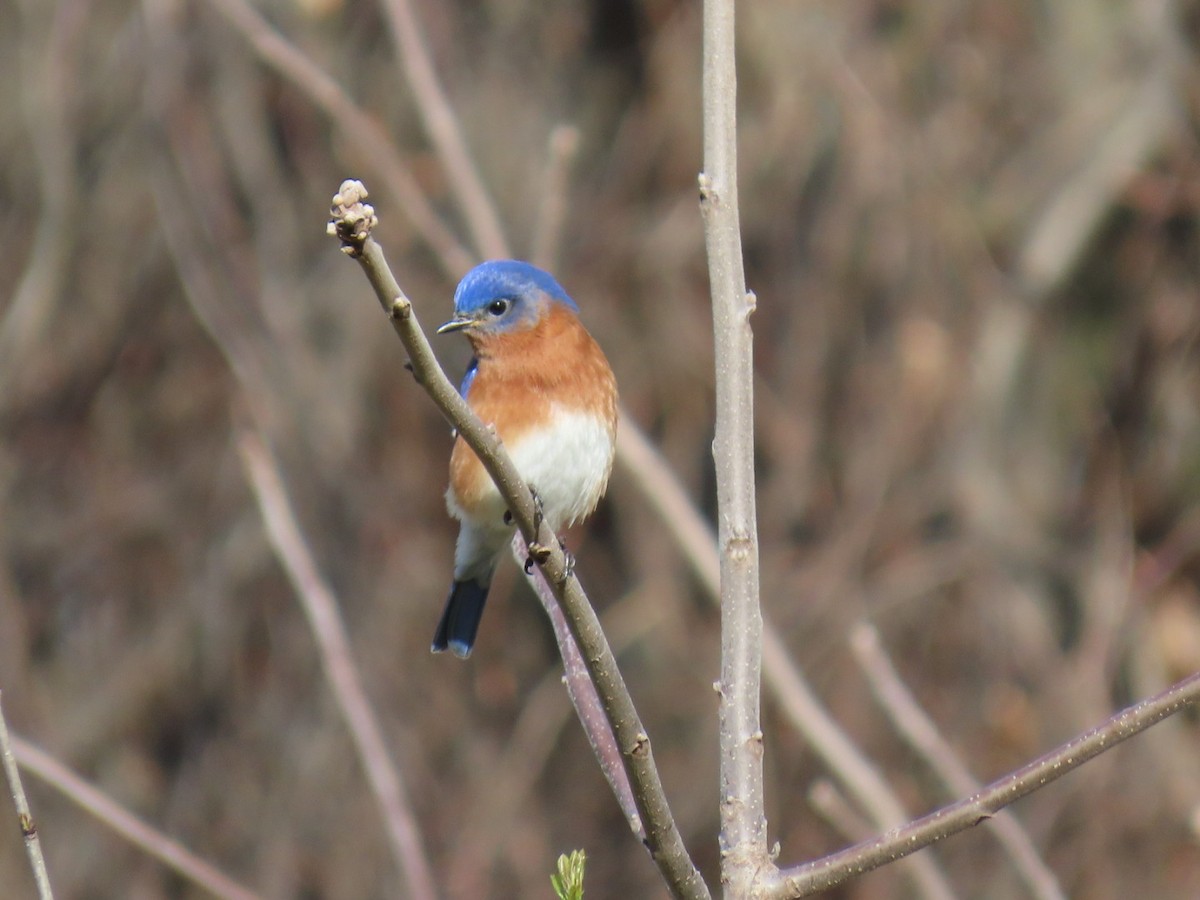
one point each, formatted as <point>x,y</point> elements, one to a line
<point>460,619</point>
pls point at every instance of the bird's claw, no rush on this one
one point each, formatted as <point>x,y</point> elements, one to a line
<point>568,560</point>
<point>539,510</point>
<point>538,553</point>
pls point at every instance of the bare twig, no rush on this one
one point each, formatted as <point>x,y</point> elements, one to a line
<point>362,131</point>
<point>547,230</point>
<point>922,735</point>
<point>743,818</point>
<point>1071,215</point>
<point>352,223</point>
<point>443,127</point>
<point>48,72</point>
<point>838,751</point>
<point>802,881</point>
<point>583,695</point>
<point>545,711</point>
<point>166,850</point>
<point>337,659</point>
<point>33,846</point>
<point>832,806</point>
<point>797,700</point>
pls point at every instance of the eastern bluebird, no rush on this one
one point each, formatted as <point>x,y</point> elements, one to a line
<point>544,384</point>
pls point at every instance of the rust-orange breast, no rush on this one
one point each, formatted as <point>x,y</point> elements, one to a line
<point>522,378</point>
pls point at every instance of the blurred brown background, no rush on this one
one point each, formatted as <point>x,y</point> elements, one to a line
<point>972,230</point>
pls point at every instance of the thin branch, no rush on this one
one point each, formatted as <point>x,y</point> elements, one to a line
<point>443,127</point>
<point>352,222</point>
<point>33,846</point>
<point>582,692</point>
<point>48,71</point>
<point>822,874</point>
<point>840,813</point>
<point>832,806</point>
<point>337,659</point>
<point>115,817</point>
<point>797,700</point>
<point>922,735</point>
<point>743,818</point>
<point>545,711</point>
<point>1122,147</point>
<point>362,131</point>
<point>547,231</point>
<point>838,751</point>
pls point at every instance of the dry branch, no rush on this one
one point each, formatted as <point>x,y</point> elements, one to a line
<point>33,846</point>
<point>337,659</point>
<point>808,879</point>
<point>352,223</point>
<point>743,819</point>
<point>166,850</point>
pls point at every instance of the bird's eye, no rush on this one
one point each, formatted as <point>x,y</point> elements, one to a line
<point>498,307</point>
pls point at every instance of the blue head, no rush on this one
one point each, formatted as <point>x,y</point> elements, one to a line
<point>504,295</point>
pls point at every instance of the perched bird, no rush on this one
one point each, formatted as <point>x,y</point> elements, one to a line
<point>544,384</point>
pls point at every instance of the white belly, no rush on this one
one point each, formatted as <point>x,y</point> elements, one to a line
<point>568,464</point>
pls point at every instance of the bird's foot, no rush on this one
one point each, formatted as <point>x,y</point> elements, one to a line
<point>538,553</point>
<point>539,510</point>
<point>568,560</point>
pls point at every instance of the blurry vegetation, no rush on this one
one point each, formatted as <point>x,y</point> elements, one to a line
<point>972,230</point>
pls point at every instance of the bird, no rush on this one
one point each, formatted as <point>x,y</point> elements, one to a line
<point>539,379</point>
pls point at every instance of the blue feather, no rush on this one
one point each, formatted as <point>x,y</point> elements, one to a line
<point>469,376</point>
<point>460,619</point>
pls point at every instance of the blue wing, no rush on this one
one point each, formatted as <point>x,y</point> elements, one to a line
<point>469,376</point>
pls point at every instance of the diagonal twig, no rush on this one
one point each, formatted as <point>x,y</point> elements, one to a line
<point>562,148</point>
<point>824,873</point>
<point>659,484</point>
<point>352,222</point>
<point>365,133</point>
<point>444,130</point>
<point>584,698</point>
<point>922,735</point>
<point>147,838</point>
<point>337,659</point>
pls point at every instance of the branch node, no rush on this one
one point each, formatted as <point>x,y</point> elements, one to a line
<point>400,309</point>
<point>751,304</point>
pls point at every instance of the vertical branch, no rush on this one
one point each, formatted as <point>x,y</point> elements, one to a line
<point>743,821</point>
<point>33,847</point>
